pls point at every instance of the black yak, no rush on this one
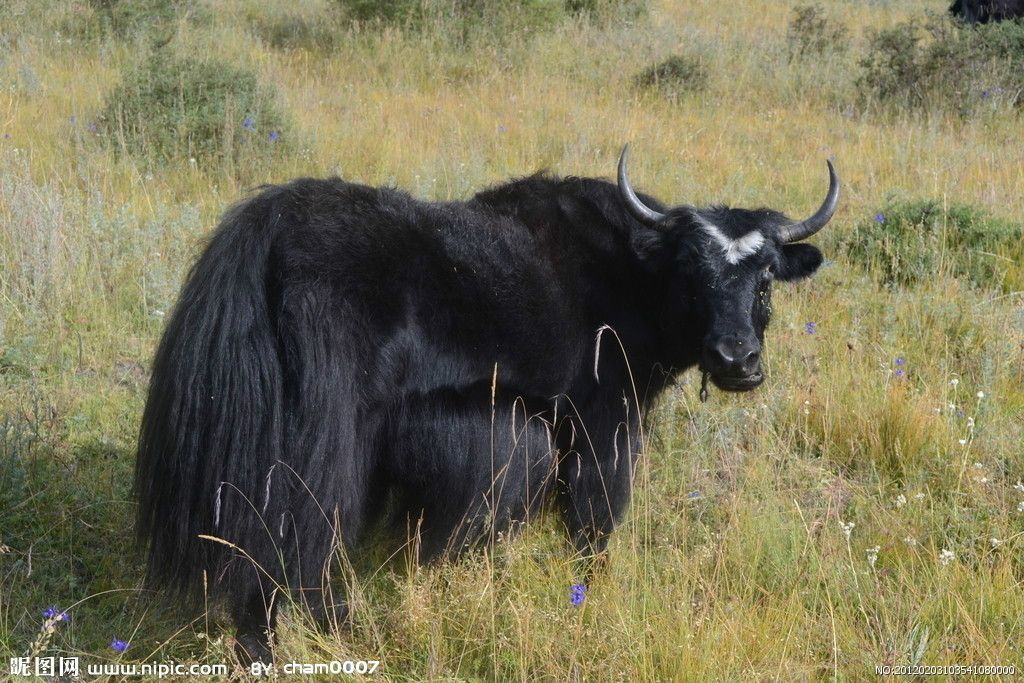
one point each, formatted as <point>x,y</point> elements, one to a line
<point>345,357</point>
<point>984,11</point>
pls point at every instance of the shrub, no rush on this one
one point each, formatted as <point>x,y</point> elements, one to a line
<point>907,242</point>
<point>500,16</point>
<point>812,33</point>
<point>675,77</point>
<point>176,107</point>
<point>607,9</point>
<point>287,30</point>
<point>132,18</point>
<point>945,64</point>
<point>383,11</point>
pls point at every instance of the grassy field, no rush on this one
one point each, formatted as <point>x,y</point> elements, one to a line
<point>863,507</point>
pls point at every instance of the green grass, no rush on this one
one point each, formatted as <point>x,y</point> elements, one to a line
<point>733,563</point>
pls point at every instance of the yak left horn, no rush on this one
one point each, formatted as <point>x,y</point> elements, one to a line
<point>804,229</point>
<point>641,211</point>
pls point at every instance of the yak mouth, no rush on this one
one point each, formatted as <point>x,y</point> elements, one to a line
<point>738,384</point>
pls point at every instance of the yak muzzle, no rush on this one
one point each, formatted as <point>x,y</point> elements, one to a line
<point>734,362</point>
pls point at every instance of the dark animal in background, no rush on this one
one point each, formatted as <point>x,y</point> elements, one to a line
<point>344,357</point>
<point>984,11</point>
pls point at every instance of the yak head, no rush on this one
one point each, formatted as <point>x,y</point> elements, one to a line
<point>721,263</point>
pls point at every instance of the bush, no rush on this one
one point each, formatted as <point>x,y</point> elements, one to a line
<point>675,77</point>
<point>607,9</point>
<point>942,63</point>
<point>132,18</point>
<point>501,16</point>
<point>174,107</point>
<point>289,31</point>
<point>461,20</point>
<point>811,33</point>
<point>910,241</point>
<point>393,12</point>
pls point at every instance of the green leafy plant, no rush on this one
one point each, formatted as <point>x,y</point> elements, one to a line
<point>675,77</point>
<point>907,242</point>
<point>172,106</point>
<point>944,64</point>
<point>812,33</point>
<point>501,16</point>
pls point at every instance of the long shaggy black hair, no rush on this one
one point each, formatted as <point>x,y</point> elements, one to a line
<point>343,356</point>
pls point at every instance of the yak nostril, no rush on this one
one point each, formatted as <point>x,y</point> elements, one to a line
<point>726,352</point>
<point>737,355</point>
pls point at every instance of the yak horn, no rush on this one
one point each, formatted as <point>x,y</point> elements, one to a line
<point>804,229</point>
<point>642,212</point>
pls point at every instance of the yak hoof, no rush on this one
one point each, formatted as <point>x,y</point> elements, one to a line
<point>253,646</point>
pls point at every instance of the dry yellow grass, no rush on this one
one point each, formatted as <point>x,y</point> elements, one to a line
<point>733,564</point>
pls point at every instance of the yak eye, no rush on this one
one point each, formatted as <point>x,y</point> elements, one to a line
<point>769,270</point>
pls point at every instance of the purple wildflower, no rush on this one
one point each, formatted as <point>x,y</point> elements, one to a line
<point>118,645</point>
<point>693,495</point>
<point>812,327</point>
<point>900,372</point>
<point>879,217</point>
<point>274,135</point>
<point>248,123</point>
<point>53,613</point>
<point>577,594</point>
<point>900,360</point>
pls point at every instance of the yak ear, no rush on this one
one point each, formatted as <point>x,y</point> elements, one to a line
<point>798,261</point>
<point>650,247</point>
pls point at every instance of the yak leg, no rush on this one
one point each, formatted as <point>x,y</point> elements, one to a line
<point>328,475</point>
<point>468,469</point>
<point>596,474</point>
<point>254,611</point>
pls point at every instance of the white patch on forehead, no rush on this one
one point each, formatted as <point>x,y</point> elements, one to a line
<point>735,250</point>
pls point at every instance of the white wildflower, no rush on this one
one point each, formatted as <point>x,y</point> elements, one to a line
<point>1019,486</point>
<point>995,542</point>
<point>1020,506</point>
<point>873,555</point>
<point>910,540</point>
<point>953,382</point>
<point>981,395</point>
<point>847,528</point>
<point>946,556</point>
<point>901,500</point>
